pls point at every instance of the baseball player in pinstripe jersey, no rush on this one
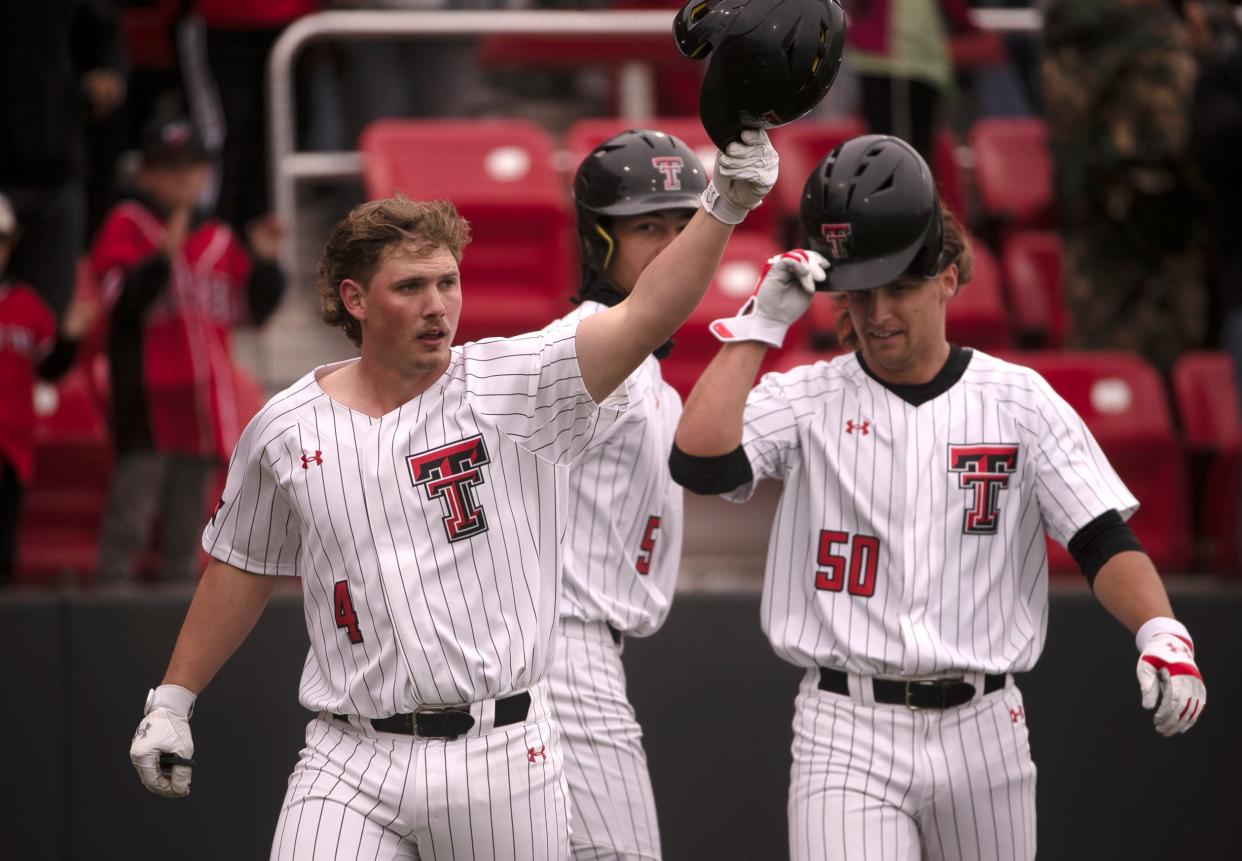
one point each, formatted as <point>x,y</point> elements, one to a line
<point>421,492</point>
<point>634,194</point>
<point>906,569</point>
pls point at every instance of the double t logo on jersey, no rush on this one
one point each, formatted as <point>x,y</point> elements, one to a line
<point>449,473</point>
<point>984,470</point>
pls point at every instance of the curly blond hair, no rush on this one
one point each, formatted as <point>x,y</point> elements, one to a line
<point>360,241</point>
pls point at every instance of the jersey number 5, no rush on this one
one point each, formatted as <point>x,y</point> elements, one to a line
<point>647,545</point>
<point>345,616</point>
<point>864,557</point>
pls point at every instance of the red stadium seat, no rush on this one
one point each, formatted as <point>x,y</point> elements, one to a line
<point>1122,400</point>
<point>976,316</point>
<point>1013,170</point>
<point>694,345</point>
<point>73,460</point>
<point>801,146</point>
<point>1031,263</point>
<point>517,272</point>
<point>1207,404</point>
<point>948,172</point>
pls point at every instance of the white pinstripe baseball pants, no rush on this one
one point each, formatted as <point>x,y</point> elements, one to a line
<point>613,809</point>
<point>887,783</point>
<point>491,794</point>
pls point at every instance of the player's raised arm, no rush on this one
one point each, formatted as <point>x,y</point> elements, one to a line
<point>711,424</point>
<point>613,343</point>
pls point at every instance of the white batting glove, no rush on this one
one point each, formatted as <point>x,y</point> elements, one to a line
<point>162,746</point>
<point>1167,673</point>
<point>783,294</point>
<point>745,172</point>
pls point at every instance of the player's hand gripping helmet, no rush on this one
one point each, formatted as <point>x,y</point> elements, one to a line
<point>637,171</point>
<point>769,61</point>
<point>870,206</point>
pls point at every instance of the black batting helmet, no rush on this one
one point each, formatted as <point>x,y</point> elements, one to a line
<point>870,206</point>
<point>637,171</point>
<point>770,62</point>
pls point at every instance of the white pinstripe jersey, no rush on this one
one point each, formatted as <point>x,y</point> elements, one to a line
<point>623,548</point>
<point>909,540</point>
<point>428,539</point>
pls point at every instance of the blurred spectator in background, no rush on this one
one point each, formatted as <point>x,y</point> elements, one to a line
<point>1217,141</point>
<point>176,281</point>
<point>60,60</point>
<point>30,348</point>
<point>1118,77</point>
<point>153,87</point>
<point>224,49</point>
<point>900,51</point>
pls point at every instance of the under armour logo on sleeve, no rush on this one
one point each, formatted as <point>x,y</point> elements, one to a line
<point>863,427</point>
<point>533,753</point>
<point>316,458</point>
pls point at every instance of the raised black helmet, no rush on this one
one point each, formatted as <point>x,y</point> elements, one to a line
<point>769,61</point>
<point>870,206</point>
<point>637,171</point>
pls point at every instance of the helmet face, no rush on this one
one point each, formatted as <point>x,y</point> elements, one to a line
<point>870,206</point>
<point>632,173</point>
<point>769,61</point>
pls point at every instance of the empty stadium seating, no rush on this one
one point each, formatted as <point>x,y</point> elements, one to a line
<point>1013,171</point>
<point>518,270</point>
<point>976,316</point>
<point>1031,264</point>
<point>1122,400</point>
<point>73,460</point>
<point>1207,404</point>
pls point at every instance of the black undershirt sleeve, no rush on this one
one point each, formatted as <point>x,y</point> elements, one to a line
<point>708,476</point>
<point>1101,540</point>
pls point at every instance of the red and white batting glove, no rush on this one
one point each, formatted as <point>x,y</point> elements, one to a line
<point>745,173</point>
<point>783,294</point>
<point>1167,674</point>
<point>162,745</point>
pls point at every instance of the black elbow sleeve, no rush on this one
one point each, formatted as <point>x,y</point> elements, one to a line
<point>1101,540</point>
<point>710,475</point>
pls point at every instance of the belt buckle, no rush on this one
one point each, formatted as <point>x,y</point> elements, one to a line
<point>428,710</point>
<point>930,682</point>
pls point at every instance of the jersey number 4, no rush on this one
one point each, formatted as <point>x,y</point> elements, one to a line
<point>345,616</point>
<point>864,558</point>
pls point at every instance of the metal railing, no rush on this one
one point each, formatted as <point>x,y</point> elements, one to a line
<point>635,92</point>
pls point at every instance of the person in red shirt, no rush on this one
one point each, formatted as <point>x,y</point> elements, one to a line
<point>30,349</point>
<point>175,281</point>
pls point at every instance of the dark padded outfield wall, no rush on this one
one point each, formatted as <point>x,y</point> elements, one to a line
<point>715,702</point>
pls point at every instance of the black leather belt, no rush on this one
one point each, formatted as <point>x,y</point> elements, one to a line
<point>915,693</point>
<point>449,721</point>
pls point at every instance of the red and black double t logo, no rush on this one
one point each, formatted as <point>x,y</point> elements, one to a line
<point>984,470</point>
<point>448,473</point>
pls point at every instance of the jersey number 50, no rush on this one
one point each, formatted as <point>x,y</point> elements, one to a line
<point>864,557</point>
